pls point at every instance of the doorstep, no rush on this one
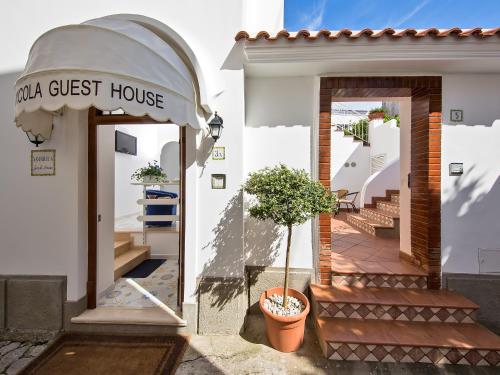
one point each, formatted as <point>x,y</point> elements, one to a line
<point>133,316</point>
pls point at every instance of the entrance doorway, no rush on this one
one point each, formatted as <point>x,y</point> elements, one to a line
<point>148,254</point>
<point>424,94</point>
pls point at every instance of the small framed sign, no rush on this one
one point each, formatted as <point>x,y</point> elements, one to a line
<point>219,153</point>
<point>456,169</point>
<point>43,162</point>
<point>218,181</point>
<point>456,115</point>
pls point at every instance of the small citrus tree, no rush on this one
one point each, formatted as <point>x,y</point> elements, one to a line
<point>288,197</point>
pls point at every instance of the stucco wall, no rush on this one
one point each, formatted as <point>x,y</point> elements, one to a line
<point>384,138</point>
<point>279,117</point>
<point>105,207</point>
<point>471,202</point>
<point>346,150</point>
<point>405,168</point>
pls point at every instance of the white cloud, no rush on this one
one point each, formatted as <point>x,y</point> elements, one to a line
<point>314,19</point>
<point>411,14</point>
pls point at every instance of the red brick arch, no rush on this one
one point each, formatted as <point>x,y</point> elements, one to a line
<point>425,93</point>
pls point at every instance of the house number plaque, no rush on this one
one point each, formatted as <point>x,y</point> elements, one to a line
<point>219,153</point>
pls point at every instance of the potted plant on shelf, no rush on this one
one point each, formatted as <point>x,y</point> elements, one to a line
<point>288,197</point>
<point>376,113</point>
<point>153,173</point>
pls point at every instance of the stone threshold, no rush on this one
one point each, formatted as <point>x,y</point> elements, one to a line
<point>132,316</point>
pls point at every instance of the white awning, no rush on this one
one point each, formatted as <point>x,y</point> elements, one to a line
<point>107,63</point>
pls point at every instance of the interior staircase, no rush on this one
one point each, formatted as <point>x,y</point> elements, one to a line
<point>356,322</point>
<point>127,254</point>
<point>380,218</point>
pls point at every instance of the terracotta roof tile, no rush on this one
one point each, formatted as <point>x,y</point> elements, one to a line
<point>368,33</point>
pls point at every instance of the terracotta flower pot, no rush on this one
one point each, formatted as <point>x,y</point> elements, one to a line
<point>285,333</point>
<point>376,115</point>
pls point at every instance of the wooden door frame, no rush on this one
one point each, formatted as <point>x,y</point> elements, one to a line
<point>96,118</point>
<point>425,93</point>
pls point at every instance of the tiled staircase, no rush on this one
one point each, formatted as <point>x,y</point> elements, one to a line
<point>370,321</point>
<point>380,218</point>
<point>127,254</point>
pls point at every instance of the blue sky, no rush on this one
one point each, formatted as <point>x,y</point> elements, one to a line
<point>379,14</point>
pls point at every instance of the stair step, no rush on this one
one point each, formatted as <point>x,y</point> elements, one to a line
<point>396,341</point>
<point>392,304</point>
<point>122,236</point>
<point>388,206</point>
<point>379,280</point>
<point>130,260</point>
<point>372,227</point>
<point>379,216</point>
<point>122,247</point>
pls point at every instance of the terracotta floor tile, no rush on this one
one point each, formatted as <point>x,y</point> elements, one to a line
<point>358,252</point>
<point>345,266</point>
<point>383,255</point>
<point>355,246</point>
<point>372,267</point>
<point>402,268</point>
<point>339,244</point>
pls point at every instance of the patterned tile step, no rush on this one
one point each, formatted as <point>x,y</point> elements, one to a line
<point>416,305</point>
<point>388,206</point>
<point>390,341</point>
<point>381,281</point>
<point>371,226</point>
<point>381,217</point>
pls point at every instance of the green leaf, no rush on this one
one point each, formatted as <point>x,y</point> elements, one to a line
<point>287,196</point>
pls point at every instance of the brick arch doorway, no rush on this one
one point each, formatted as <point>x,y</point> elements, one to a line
<point>425,94</point>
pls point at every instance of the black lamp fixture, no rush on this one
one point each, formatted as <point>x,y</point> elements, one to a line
<point>35,139</point>
<point>216,126</point>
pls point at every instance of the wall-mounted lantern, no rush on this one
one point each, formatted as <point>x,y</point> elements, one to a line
<point>216,126</point>
<point>35,139</point>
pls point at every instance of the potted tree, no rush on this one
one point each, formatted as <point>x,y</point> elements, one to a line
<point>152,173</point>
<point>288,197</point>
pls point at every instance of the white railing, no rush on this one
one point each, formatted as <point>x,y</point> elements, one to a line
<point>358,131</point>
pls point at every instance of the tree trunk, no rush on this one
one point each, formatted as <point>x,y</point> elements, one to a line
<point>288,245</point>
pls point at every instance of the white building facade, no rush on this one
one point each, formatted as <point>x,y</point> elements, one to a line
<point>268,93</point>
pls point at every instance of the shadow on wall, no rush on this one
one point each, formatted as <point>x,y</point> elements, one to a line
<point>204,151</point>
<point>262,239</point>
<point>470,222</point>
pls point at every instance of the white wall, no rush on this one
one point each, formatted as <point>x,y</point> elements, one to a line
<point>377,184</point>
<point>268,15</point>
<point>279,116</point>
<point>384,139</point>
<point>471,202</point>
<point>105,207</point>
<point>42,218</point>
<point>405,168</point>
<point>346,150</point>
<point>168,146</point>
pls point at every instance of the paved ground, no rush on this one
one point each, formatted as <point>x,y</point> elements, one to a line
<point>251,354</point>
<point>14,355</point>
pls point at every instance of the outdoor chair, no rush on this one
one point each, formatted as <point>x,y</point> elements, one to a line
<point>346,198</point>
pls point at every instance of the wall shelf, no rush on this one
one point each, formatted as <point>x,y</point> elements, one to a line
<point>145,201</point>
